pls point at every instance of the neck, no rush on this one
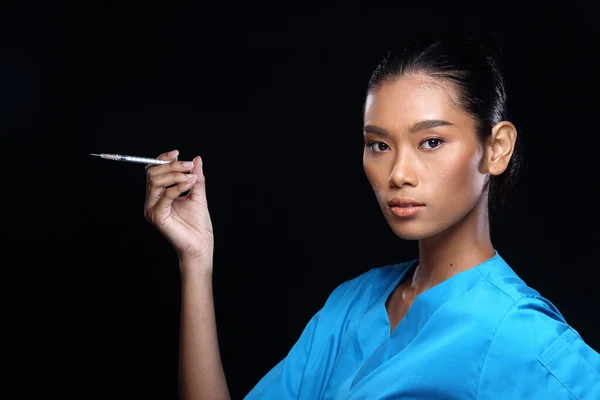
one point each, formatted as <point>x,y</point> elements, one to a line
<point>460,247</point>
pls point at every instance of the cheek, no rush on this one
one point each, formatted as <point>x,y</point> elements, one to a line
<point>372,176</point>
<point>458,174</point>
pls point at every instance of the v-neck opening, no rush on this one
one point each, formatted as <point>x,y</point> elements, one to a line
<point>390,290</point>
<point>412,265</point>
<point>378,346</point>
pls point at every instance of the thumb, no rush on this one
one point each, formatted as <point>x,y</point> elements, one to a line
<point>198,191</point>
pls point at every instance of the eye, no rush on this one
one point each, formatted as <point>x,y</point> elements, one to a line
<point>431,143</point>
<point>371,145</point>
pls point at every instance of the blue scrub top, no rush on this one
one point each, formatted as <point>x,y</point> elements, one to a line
<point>481,334</point>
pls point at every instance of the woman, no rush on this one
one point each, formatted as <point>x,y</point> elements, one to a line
<point>456,323</point>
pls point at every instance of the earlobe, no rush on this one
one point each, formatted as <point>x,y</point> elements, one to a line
<point>501,146</point>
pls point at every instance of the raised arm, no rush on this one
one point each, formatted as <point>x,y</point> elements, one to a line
<point>185,222</point>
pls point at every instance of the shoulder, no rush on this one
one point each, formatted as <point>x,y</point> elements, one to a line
<point>536,348</point>
<point>532,323</point>
<point>507,304</point>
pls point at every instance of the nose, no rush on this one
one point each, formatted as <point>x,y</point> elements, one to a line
<point>403,173</point>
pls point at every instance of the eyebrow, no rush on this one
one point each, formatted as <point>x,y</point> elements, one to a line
<point>414,128</point>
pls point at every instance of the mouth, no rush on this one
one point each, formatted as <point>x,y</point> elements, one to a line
<point>404,202</point>
<point>405,207</point>
<point>406,211</point>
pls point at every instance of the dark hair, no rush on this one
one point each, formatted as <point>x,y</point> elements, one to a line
<point>471,67</point>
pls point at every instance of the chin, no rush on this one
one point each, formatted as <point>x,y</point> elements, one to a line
<point>414,228</point>
<point>411,234</point>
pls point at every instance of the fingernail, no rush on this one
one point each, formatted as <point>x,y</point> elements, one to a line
<point>188,164</point>
<point>191,177</point>
<point>173,152</point>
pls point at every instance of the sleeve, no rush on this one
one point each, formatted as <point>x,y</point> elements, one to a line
<point>284,381</point>
<point>535,355</point>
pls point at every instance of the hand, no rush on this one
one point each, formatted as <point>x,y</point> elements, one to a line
<point>184,221</point>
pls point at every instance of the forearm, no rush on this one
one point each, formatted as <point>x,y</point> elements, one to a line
<point>201,374</point>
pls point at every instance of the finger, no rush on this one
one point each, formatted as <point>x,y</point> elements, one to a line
<point>166,180</point>
<point>170,155</point>
<point>164,203</point>
<point>173,166</point>
<point>154,190</point>
<point>151,169</point>
<point>198,189</point>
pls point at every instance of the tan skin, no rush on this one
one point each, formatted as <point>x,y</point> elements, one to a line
<point>452,228</point>
<point>446,167</point>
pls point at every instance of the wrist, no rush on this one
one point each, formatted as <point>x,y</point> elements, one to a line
<point>195,266</point>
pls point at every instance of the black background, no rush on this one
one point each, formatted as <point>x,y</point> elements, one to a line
<point>271,98</point>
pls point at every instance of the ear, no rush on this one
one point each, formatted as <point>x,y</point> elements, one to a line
<point>500,147</point>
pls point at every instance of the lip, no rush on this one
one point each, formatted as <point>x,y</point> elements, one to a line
<point>405,207</point>
<point>404,202</point>
<point>406,211</point>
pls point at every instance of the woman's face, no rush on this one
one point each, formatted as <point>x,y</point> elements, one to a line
<point>422,148</point>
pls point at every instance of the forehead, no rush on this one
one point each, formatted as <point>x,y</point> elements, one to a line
<point>413,98</point>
